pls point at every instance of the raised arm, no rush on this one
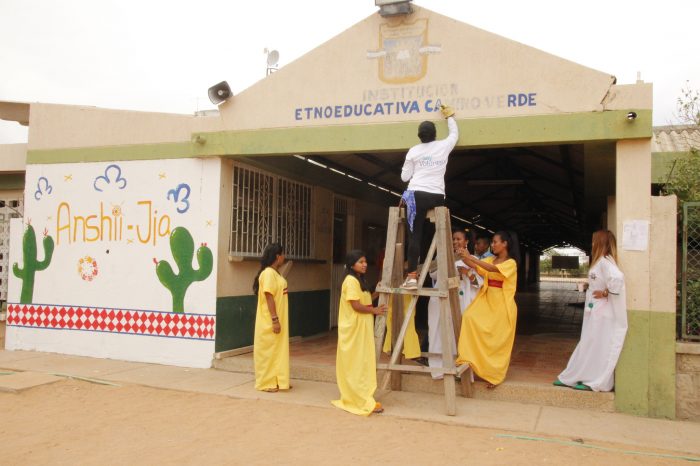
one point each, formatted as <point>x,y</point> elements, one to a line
<point>472,261</point>
<point>453,135</point>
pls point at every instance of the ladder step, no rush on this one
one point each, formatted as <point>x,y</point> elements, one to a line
<point>419,292</point>
<point>462,368</point>
<point>421,369</point>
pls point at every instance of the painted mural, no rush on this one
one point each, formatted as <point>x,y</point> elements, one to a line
<point>31,264</point>
<point>115,271</point>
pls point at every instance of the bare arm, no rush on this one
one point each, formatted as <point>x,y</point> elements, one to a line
<point>368,309</point>
<point>273,312</point>
<point>471,261</point>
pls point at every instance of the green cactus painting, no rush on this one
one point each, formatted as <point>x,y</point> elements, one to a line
<point>182,247</point>
<point>31,265</point>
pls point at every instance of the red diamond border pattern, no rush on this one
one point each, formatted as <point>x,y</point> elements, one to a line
<point>158,324</point>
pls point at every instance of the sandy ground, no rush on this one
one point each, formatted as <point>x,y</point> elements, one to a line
<point>75,422</point>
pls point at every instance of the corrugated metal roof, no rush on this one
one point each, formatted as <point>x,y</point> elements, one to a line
<point>678,138</point>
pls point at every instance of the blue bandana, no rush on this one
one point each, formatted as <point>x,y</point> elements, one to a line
<point>410,200</point>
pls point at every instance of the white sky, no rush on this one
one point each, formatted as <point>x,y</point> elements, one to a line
<point>163,55</point>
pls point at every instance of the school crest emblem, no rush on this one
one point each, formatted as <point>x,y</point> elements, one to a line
<point>403,53</point>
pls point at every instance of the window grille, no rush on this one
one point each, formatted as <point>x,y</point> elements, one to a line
<point>13,209</point>
<point>269,208</point>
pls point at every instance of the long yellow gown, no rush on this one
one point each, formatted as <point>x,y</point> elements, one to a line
<point>271,350</point>
<point>355,366</point>
<point>488,326</point>
<point>411,344</point>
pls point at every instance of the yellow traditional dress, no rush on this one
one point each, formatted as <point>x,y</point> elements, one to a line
<point>411,345</point>
<point>355,366</point>
<point>271,350</point>
<point>488,325</point>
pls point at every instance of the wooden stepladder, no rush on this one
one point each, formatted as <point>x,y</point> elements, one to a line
<point>447,291</point>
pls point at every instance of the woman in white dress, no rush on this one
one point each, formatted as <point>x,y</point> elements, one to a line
<point>469,284</point>
<point>592,365</point>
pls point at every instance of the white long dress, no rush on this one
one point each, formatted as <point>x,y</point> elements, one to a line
<point>603,332</point>
<point>467,293</point>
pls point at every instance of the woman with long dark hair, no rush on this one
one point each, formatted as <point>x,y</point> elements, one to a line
<point>356,366</point>
<point>488,325</point>
<point>592,365</point>
<point>271,341</point>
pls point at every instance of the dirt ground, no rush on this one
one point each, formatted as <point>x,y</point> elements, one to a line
<point>75,422</point>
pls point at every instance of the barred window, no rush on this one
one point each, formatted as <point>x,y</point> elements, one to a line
<point>9,208</point>
<point>269,208</point>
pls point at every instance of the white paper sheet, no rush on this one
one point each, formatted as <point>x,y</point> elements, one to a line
<point>635,235</point>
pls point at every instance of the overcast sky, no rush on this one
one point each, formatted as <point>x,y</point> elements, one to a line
<point>163,55</point>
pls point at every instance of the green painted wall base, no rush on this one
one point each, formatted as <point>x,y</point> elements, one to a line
<point>309,314</point>
<point>645,379</point>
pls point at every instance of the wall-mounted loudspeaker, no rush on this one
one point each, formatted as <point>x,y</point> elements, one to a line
<point>219,93</point>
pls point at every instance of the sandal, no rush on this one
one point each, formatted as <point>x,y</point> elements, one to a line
<point>378,408</point>
<point>270,390</point>
<point>490,386</point>
<point>584,387</point>
<point>559,383</point>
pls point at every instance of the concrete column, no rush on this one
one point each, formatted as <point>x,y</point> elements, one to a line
<point>645,376</point>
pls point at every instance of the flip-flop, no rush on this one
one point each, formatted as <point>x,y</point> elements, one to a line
<point>559,383</point>
<point>584,387</point>
<point>378,408</point>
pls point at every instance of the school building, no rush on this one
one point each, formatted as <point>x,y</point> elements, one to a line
<point>141,232</point>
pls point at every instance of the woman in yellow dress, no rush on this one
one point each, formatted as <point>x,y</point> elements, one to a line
<point>411,342</point>
<point>271,341</point>
<point>356,367</point>
<point>488,325</point>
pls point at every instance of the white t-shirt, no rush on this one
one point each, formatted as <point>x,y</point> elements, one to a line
<point>426,163</point>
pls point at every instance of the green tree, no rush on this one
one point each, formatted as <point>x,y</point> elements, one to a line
<point>684,182</point>
<point>688,106</point>
<point>685,173</point>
